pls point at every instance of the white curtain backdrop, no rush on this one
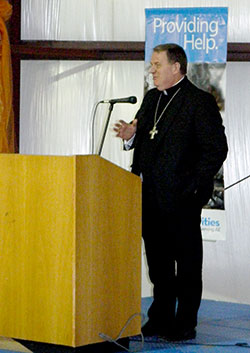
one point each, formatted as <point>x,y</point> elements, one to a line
<point>58,98</point>
<point>227,263</point>
<point>118,20</point>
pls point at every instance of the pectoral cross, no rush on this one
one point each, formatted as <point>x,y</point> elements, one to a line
<point>153,132</point>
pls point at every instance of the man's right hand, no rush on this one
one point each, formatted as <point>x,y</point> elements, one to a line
<point>125,130</point>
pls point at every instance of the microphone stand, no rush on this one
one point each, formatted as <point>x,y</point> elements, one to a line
<point>111,106</point>
<point>93,129</point>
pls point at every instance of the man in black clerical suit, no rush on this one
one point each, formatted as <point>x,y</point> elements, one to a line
<point>179,145</point>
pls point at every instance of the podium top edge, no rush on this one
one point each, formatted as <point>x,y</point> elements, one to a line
<point>75,158</point>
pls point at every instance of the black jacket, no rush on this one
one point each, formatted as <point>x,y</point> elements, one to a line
<point>188,150</point>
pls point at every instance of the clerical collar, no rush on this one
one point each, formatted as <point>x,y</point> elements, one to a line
<point>174,88</point>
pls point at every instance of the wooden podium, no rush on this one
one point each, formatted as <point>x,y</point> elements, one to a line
<point>70,249</point>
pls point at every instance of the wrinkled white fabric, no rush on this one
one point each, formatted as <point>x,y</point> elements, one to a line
<point>114,20</point>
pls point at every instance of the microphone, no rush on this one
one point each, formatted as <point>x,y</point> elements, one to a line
<point>131,99</point>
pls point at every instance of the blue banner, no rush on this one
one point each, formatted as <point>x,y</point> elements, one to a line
<point>202,32</point>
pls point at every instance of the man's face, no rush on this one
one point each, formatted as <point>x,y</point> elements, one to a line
<point>165,74</point>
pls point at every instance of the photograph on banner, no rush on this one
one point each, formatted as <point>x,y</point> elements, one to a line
<point>202,33</point>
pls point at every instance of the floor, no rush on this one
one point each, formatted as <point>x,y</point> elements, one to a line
<point>223,327</point>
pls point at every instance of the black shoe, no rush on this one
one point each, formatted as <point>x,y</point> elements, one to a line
<point>152,329</point>
<point>149,329</point>
<point>184,334</point>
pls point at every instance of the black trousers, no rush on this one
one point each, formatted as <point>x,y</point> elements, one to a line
<point>173,247</point>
